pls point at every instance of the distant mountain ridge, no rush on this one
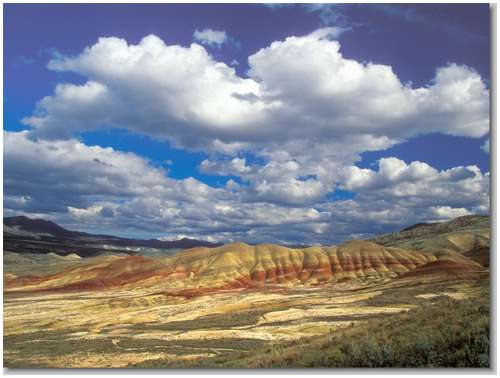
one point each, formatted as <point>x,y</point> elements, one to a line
<point>39,229</point>
<point>468,234</point>
<point>41,226</point>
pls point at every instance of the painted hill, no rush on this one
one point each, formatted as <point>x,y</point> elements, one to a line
<point>201,270</point>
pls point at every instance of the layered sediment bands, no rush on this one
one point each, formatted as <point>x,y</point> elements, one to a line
<point>440,270</point>
<point>479,255</point>
<point>238,265</point>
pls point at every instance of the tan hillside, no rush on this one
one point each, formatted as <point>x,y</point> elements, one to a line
<point>468,235</point>
<point>480,255</point>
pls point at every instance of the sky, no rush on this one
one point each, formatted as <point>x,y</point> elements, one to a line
<point>284,123</point>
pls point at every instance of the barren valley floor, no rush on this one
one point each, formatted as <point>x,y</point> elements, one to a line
<point>120,328</point>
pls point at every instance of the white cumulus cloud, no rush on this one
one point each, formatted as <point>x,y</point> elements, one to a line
<point>210,37</point>
<point>486,146</point>
<point>183,95</point>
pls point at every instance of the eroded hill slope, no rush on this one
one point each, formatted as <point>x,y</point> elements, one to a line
<point>238,265</point>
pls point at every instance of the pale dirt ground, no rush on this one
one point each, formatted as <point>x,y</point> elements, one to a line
<point>451,295</point>
<point>141,316</point>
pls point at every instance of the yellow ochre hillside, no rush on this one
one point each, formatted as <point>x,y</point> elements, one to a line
<point>238,265</point>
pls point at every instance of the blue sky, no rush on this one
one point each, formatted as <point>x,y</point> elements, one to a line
<point>256,168</point>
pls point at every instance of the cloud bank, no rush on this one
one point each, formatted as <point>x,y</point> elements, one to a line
<point>288,134</point>
<point>158,89</point>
